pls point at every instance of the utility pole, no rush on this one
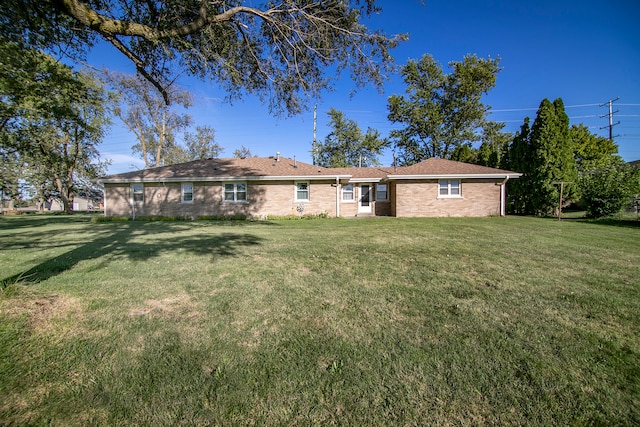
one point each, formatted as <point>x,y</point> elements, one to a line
<point>610,115</point>
<point>315,126</point>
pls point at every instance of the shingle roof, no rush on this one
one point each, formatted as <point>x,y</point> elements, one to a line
<point>272,168</point>
<point>442,167</point>
<point>225,168</point>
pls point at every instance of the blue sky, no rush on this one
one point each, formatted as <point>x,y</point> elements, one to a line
<point>585,52</point>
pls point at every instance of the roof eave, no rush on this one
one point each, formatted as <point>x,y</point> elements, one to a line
<point>456,176</point>
<point>221,178</point>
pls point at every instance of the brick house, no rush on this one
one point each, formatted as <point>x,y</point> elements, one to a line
<point>279,186</point>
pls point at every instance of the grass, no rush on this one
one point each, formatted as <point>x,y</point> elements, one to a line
<point>319,322</point>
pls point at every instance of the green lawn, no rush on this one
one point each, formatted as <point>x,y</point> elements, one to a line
<point>387,321</point>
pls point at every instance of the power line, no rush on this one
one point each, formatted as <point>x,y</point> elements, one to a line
<point>506,110</point>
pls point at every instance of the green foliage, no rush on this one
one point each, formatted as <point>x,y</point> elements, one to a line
<point>222,218</point>
<point>201,145</point>
<point>154,123</point>
<point>346,146</point>
<point>591,152</point>
<point>52,118</point>
<point>322,215</point>
<point>10,173</point>
<point>465,153</point>
<point>278,52</point>
<point>242,152</point>
<point>110,219</point>
<point>494,147</point>
<point>607,190</point>
<point>545,155</point>
<point>441,112</point>
<point>158,218</point>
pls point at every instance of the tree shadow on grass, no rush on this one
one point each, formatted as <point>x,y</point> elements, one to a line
<point>136,241</point>
<point>39,220</point>
<point>612,222</point>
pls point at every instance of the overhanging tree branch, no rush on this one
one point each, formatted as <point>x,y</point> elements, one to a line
<point>286,45</point>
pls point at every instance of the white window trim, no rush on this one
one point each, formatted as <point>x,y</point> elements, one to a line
<point>449,195</point>
<point>387,192</point>
<point>235,193</point>
<point>133,200</point>
<point>295,192</point>
<point>182,200</point>
<point>353,194</point>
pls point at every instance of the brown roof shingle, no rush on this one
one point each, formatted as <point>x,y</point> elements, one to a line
<point>435,166</point>
<point>267,167</point>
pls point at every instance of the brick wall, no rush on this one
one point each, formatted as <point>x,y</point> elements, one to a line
<point>263,198</point>
<point>406,199</point>
<point>480,197</point>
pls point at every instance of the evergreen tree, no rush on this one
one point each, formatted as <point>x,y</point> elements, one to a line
<point>519,158</point>
<point>495,144</point>
<point>545,156</point>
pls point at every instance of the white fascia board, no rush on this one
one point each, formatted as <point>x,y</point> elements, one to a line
<point>364,180</point>
<point>457,176</point>
<point>223,179</point>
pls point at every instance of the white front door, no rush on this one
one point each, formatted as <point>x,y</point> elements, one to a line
<point>364,201</point>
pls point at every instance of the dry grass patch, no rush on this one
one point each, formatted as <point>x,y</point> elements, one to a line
<point>45,312</point>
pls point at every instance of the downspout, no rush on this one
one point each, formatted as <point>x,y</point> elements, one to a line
<point>503,196</point>
<point>133,203</point>
<point>337,197</point>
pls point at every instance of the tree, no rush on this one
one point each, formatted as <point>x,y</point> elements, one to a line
<point>202,145</point>
<point>591,152</point>
<point>519,157</point>
<point>441,112</point>
<point>149,118</point>
<point>607,190</point>
<point>242,152</point>
<point>54,125</point>
<point>495,144</point>
<point>278,51</point>
<point>10,168</point>
<point>347,146</point>
<point>545,155</point>
<point>199,145</point>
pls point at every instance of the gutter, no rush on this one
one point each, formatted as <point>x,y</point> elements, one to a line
<point>455,176</point>
<point>503,196</point>
<point>221,179</point>
<point>337,197</point>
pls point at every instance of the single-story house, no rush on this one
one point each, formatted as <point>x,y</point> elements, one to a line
<point>84,201</point>
<point>278,186</point>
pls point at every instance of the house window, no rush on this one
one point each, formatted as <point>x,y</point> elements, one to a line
<point>187,193</point>
<point>137,193</point>
<point>302,191</point>
<point>449,188</point>
<point>347,193</point>
<point>381,192</point>
<point>235,192</point>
